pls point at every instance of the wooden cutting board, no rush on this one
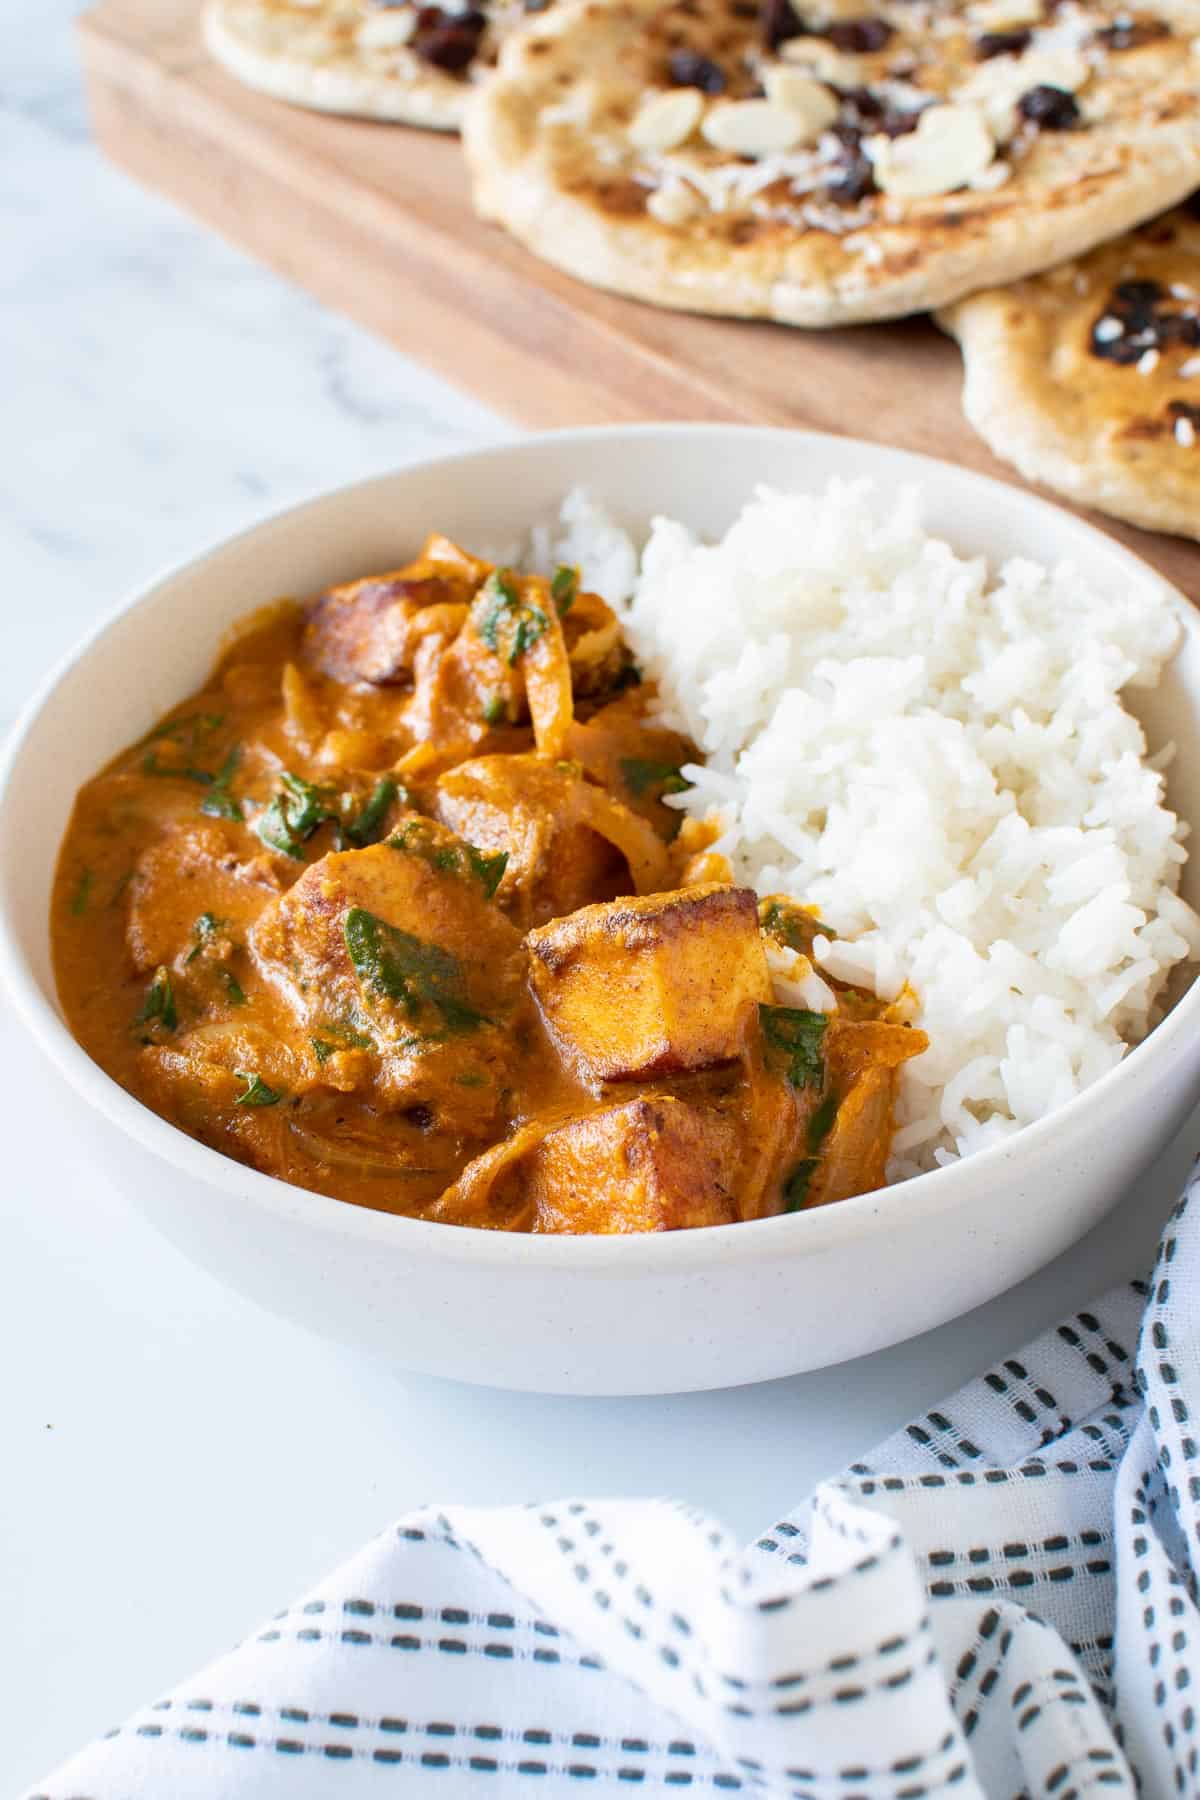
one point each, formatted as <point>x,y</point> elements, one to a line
<point>376,221</point>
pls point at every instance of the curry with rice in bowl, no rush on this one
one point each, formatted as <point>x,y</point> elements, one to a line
<point>401,908</point>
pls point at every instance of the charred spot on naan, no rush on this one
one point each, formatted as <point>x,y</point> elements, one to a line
<point>1084,375</point>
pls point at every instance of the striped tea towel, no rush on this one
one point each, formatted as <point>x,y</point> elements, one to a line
<point>1000,1601</point>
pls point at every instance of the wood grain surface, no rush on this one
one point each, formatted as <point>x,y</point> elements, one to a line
<point>376,221</point>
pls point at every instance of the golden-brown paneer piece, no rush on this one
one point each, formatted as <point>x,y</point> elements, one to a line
<point>207,1101</point>
<point>369,630</point>
<point>193,873</point>
<point>398,950</point>
<point>651,986</point>
<point>263,1120</point>
<point>395,931</point>
<point>656,1163</point>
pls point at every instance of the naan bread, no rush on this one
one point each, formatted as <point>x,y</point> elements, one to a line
<point>903,153</point>
<point>374,59</point>
<point>1088,377</point>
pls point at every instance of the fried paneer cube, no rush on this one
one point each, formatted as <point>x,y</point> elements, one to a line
<point>202,1098</point>
<point>655,1163</point>
<point>388,932</point>
<point>369,630</point>
<point>188,873</point>
<point>656,985</point>
<point>397,949</point>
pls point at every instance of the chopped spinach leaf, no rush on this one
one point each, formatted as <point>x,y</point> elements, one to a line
<point>640,777</point>
<point>487,870</point>
<point>795,1189</point>
<point>821,1123</point>
<point>186,739</point>
<point>206,926</point>
<point>564,589</point>
<point>293,815</point>
<point>795,1192</point>
<point>530,627</point>
<point>471,1079</point>
<point>175,771</point>
<point>797,1034</point>
<point>190,730</point>
<point>398,966</point>
<point>159,1007</point>
<point>348,1037</point>
<point>219,802</point>
<point>507,624</point>
<point>789,925</point>
<point>494,709</point>
<point>83,889</point>
<point>257,1092</point>
<point>496,597</point>
<point>367,828</point>
<point>455,858</point>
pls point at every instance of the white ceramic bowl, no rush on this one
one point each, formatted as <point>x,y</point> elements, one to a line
<point>683,1310</point>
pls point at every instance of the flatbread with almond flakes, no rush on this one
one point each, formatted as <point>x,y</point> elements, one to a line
<point>375,59</point>
<point>820,162</point>
<point>1087,378</point>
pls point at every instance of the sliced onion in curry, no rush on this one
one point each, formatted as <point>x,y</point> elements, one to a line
<point>342,1149</point>
<point>593,637</point>
<point>548,679</point>
<point>304,720</point>
<point>445,618</point>
<point>638,842</point>
<point>471,1201</point>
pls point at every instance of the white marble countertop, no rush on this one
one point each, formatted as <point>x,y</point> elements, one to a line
<point>177,1464</point>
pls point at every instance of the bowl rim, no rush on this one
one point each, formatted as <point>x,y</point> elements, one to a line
<point>767,1240</point>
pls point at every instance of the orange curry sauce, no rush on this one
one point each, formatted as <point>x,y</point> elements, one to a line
<point>394,909</point>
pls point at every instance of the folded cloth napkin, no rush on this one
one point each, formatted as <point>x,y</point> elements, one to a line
<point>999,1601</point>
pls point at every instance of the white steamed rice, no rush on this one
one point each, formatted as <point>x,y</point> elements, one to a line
<point>937,757</point>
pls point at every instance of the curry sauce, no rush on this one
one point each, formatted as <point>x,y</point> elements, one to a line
<point>396,909</point>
